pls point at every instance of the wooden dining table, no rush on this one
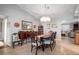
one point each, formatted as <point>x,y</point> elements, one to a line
<point>46,35</point>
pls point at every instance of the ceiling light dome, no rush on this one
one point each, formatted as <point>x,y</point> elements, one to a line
<point>45,19</point>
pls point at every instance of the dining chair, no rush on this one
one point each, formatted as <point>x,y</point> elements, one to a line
<point>22,36</point>
<point>47,42</point>
<point>55,35</point>
<point>15,39</point>
<point>50,41</point>
<point>54,39</point>
<point>35,42</point>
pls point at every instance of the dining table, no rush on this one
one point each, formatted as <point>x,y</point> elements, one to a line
<point>44,35</point>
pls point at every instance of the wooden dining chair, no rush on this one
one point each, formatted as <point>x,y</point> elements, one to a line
<point>54,38</point>
<point>22,36</point>
<point>34,42</point>
<point>47,42</point>
<point>15,39</point>
<point>50,41</point>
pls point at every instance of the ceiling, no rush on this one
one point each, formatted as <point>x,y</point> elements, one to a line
<point>55,11</point>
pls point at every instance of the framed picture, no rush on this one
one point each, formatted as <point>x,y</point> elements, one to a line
<point>48,26</point>
<point>34,26</point>
<point>54,26</point>
<point>26,25</point>
<point>16,24</point>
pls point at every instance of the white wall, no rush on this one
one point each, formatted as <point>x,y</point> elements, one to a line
<point>15,14</point>
<point>66,27</point>
<point>57,28</point>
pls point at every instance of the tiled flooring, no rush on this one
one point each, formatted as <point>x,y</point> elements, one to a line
<point>63,47</point>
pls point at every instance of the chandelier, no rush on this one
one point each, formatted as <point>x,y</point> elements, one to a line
<point>45,19</point>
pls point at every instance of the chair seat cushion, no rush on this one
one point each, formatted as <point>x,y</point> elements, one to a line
<point>34,44</point>
<point>47,41</point>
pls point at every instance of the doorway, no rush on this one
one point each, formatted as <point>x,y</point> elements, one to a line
<point>66,32</point>
<point>3,32</point>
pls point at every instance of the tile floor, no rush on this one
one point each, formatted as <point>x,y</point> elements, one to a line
<point>63,47</point>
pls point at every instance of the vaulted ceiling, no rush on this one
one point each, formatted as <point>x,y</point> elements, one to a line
<point>56,12</point>
<point>53,10</point>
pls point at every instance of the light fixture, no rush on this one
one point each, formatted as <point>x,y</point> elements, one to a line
<point>46,6</point>
<point>45,19</point>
